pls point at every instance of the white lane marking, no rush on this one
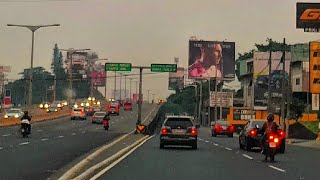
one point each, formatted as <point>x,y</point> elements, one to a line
<point>73,134</point>
<point>215,144</point>
<point>24,143</point>
<point>121,117</point>
<point>249,157</point>
<point>44,139</point>
<point>1,148</point>
<point>6,135</point>
<point>228,148</point>
<point>112,122</point>
<point>276,168</point>
<point>119,160</point>
<point>83,132</point>
<point>97,128</point>
<point>60,136</point>
<point>200,139</point>
<point>39,130</point>
<point>206,141</point>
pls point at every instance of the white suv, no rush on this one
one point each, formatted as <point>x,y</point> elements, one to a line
<point>78,113</point>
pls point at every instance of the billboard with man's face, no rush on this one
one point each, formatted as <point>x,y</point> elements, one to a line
<point>98,76</point>
<point>211,59</point>
<point>176,80</point>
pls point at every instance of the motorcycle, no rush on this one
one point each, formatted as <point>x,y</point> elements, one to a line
<point>106,124</point>
<point>25,128</point>
<point>271,146</point>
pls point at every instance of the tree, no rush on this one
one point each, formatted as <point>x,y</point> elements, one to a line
<point>297,107</point>
<point>59,72</point>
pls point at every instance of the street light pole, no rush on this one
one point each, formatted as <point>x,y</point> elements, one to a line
<point>115,85</point>
<point>148,95</point>
<point>137,87</point>
<point>125,86</point>
<point>120,86</point>
<point>33,29</point>
<point>130,88</point>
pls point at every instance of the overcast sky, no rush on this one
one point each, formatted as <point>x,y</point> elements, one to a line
<point>141,31</point>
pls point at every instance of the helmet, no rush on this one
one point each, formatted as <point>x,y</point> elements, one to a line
<point>26,112</point>
<point>270,117</point>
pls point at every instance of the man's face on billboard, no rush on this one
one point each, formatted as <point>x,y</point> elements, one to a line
<point>217,53</point>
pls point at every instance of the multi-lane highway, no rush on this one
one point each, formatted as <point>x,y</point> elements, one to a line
<point>216,158</point>
<point>54,144</point>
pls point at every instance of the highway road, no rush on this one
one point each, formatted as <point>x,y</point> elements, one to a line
<point>53,144</point>
<point>216,158</point>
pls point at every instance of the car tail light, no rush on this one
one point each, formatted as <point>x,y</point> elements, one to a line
<point>276,140</point>
<point>72,113</point>
<point>92,117</point>
<point>194,131</point>
<point>90,110</point>
<point>253,132</point>
<point>217,127</point>
<point>164,130</point>
<point>271,137</point>
<point>231,128</point>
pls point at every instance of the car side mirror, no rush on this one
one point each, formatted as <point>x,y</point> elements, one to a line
<point>257,126</point>
<point>197,126</point>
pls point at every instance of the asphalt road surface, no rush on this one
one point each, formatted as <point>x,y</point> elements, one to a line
<point>53,144</point>
<point>215,158</point>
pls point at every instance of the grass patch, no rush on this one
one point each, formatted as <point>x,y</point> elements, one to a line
<point>312,126</point>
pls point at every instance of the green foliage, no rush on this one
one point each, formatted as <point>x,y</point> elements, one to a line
<point>296,108</point>
<point>59,72</point>
<point>312,126</point>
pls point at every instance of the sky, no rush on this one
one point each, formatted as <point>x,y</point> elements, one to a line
<point>141,32</point>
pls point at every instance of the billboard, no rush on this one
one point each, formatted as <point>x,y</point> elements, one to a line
<point>78,65</point>
<point>224,99</point>
<point>261,77</point>
<point>211,59</point>
<point>176,80</point>
<point>307,16</point>
<point>98,75</point>
<point>314,67</point>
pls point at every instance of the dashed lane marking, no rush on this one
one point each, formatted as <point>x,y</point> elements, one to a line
<point>249,157</point>
<point>60,136</point>
<point>276,168</point>
<point>24,143</point>
<point>215,144</point>
<point>229,149</point>
<point>5,135</point>
<point>73,134</point>
<point>206,141</point>
<point>39,130</point>
<point>1,148</point>
<point>44,139</point>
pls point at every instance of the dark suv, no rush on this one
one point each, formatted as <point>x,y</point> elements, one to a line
<point>178,130</point>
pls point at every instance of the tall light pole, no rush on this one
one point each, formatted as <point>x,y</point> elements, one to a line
<point>137,87</point>
<point>148,95</point>
<point>33,29</point>
<point>130,88</point>
<point>125,85</point>
<point>120,86</point>
<point>115,85</point>
<point>70,51</point>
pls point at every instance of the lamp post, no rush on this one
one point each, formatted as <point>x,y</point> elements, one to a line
<point>33,29</point>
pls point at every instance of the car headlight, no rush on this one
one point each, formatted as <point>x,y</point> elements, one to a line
<point>87,104</point>
<point>56,110</point>
<point>98,103</point>
<point>41,106</point>
<point>59,105</point>
<point>82,104</point>
<point>47,110</point>
<point>89,98</point>
<point>93,99</point>
<point>46,105</point>
<point>75,106</point>
<point>16,115</point>
<point>5,116</point>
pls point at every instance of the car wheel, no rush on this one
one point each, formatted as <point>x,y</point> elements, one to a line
<point>230,135</point>
<point>282,148</point>
<point>240,145</point>
<point>248,145</point>
<point>117,114</point>
<point>161,146</point>
<point>195,146</point>
<point>214,134</point>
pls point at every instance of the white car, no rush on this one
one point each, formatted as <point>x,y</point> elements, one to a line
<point>78,113</point>
<point>13,113</point>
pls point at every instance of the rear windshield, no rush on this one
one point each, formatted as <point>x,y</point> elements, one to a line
<point>77,109</point>
<point>100,114</point>
<point>128,104</point>
<point>113,106</point>
<point>260,123</point>
<point>178,122</point>
<point>14,111</point>
<point>223,123</point>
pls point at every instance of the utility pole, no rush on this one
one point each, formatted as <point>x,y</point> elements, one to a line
<point>269,76</point>
<point>153,97</point>
<point>283,85</point>
<point>136,87</point>
<point>200,102</point>
<point>140,97</point>
<point>209,107</point>
<point>148,95</point>
<point>54,88</point>
<point>115,85</point>
<point>288,101</point>
<point>125,86</point>
<point>130,88</point>
<point>33,29</point>
<point>120,86</point>
<point>105,86</point>
<point>221,100</point>
<point>70,53</point>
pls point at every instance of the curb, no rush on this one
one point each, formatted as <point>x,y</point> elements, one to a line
<point>106,162</point>
<point>71,172</point>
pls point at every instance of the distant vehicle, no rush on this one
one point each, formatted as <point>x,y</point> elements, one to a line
<point>98,117</point>
<point>127,106</point>
<point>222,128</point>
<point>13,113</point>
<point>93,109</point>
<point>178,130</point>
<point>160,101</point>
<point>52,108</point>
<point>113,109</point>
<point>44,105</point>
<point>78,113</point>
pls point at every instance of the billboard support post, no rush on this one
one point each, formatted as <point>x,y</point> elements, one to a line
<point>209,108</point>
<point>269,76</point>
<point>200,102</point>
<point>215,100</point>
<point>284,87</point>
<point>120,86</point>
<point>115,85</point>
<point>140,97</point>
<point>105,86</point>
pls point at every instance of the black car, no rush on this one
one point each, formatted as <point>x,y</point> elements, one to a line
<point>250,137</point>
<point>178,130</point>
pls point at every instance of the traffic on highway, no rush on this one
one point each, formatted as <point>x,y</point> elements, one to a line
<point>126,90</point>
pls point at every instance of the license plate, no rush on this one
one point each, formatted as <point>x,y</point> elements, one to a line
<point>272,144</point>
<point>224,128</point>
<point>178,131</point>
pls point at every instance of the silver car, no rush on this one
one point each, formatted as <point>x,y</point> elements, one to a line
<point>13,113</point>
<point>98,117</point>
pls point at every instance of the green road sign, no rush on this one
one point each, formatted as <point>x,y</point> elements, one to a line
<point>118,66</point>
<point>163,68</point>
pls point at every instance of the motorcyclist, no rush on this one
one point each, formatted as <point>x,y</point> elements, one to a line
<point>268,127</point>
<point>106,119</point>
<point>27,117</point>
